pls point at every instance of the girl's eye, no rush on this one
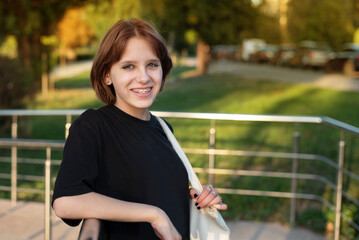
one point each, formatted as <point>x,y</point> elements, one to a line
<point>154,65</point>
<point>128,66</point>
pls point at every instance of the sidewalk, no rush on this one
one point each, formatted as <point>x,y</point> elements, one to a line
<point>318,78</point>
<point>26,221</point>
<point>70,69</point>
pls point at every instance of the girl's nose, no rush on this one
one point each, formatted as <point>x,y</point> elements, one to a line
<point>143,76</point>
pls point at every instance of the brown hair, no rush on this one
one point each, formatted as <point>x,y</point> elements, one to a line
<point>112,47</point>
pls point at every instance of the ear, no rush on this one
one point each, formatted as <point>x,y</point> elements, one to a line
<point>108,80</point>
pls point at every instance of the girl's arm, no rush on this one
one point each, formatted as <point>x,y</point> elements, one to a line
<point>94,205</point>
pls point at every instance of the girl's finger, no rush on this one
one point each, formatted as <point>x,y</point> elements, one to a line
<point>204,202</point>
<point>220,206</point>
<point>206,190</point>
<point>193,193</point>
<point>216,200</point>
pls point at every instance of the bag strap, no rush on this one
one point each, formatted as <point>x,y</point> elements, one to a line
<point>192,177</point>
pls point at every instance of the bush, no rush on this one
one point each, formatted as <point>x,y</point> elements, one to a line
<point>15,82</point>
<point>313,219</point>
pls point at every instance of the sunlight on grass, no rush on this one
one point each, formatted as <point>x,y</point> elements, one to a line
<point>77,98</point>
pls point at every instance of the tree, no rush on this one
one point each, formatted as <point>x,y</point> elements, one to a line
<point>219,22</point>
<point>208,22</point>
<point>28,21</point>
<point>73,31</point>
<point>328,21</point>
<point>268,23</point>
<point>102,15</point>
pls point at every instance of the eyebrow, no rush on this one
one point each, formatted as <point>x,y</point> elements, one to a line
<point>151,60</point>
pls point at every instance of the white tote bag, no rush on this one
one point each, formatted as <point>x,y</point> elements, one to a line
<point>207,223</point>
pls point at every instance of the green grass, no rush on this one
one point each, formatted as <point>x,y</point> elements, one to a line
<point>223,93</point>
<point>79,81</point>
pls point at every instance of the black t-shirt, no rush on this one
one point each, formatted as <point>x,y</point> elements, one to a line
<point>120,156</point>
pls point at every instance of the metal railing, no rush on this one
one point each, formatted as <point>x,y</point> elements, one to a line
<point>48,145</point>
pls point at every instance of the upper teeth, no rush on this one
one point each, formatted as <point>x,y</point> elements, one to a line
<point>144,91</point>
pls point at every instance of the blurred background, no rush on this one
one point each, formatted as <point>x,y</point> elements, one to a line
<point>280,57</point>
<point>39,35</point>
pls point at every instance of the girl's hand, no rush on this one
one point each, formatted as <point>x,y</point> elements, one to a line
<point>164,228</point>
<point>209,197</point>
<point>90,229</point>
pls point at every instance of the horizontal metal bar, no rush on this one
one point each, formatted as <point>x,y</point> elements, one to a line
<point>27,190</point>
<point>5,175</point>
<point>31,143</point>
<point>340,125</point>
<point>303,156</point>
<point>23,177</point>
<point>348,196</point>
<point>5,188</point>
<point>240,117</point>
<point>275,194</point>
<point>194,115</point>
<point>266,174</point>
<point>31,190</point>
<point>50,112</point>
<point>263,118</point>
<point>353,224</point>
<point>30,160</point>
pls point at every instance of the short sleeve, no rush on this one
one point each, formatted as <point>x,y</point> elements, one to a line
<point>79,167</point>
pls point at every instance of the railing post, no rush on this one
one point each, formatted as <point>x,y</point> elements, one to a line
<point>48,194</point>
<point>338,207</point>
<point>296,136</point>
<point>14,162</point>
<point>67,125</point>
<point>212,146</point>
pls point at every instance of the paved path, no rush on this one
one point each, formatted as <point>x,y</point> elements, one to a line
<point>299,76</point>
<point>70,69</point>
<point>26,221</point>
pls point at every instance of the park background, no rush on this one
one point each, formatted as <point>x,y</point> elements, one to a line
<point>39,37</point>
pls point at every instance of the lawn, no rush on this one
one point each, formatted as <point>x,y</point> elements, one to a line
<point>223,93</point>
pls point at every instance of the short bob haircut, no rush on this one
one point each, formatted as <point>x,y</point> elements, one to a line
<point>113,46</point>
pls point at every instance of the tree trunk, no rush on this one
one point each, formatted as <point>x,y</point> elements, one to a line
<point>29,52</point>
<point>203,57</point>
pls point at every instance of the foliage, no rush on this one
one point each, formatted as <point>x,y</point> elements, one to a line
<point>217,22</point>
<point>351,212</point>
<point>14,83</point>
<point>73,30</point>
<point>220,22</point>
<point>8,47</point>
<point>315,219</point>
<point>328,21</point>
<point>102,15</point>
<point>28,21</point>
<point>267,25</point>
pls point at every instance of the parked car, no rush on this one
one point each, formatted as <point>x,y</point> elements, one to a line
<point>265,54</point>
<point>230,52</point>
<point>249,47</point>
<point>346,60</point>
<point>283,55</point>
<point>310,54</point>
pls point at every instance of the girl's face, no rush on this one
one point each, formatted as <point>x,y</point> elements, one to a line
<point>136,78</point>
